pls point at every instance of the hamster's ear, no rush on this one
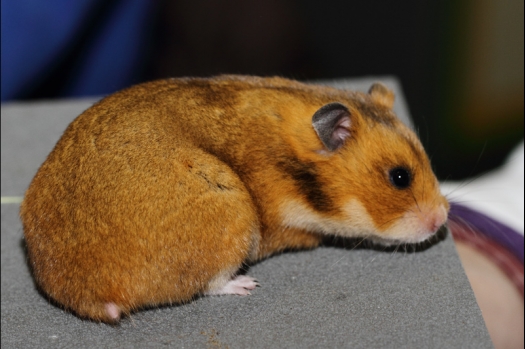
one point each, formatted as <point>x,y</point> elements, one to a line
<point>382,95</point>
<point>332,124</point>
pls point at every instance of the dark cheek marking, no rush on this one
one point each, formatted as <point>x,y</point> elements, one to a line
<point>307,183</point>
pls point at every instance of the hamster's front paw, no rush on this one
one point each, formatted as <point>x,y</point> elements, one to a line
<point>239,285</point>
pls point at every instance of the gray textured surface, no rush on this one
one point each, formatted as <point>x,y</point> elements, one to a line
<point>328,297</point>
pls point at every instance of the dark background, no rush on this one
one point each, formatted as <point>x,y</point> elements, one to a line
<point>460,62</point>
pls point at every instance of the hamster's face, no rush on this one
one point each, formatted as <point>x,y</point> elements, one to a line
<point>372,177</point>
<point>386,185</point>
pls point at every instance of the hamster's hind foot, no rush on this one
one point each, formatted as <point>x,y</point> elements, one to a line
<point>239,285</point>
<point>112,311</point>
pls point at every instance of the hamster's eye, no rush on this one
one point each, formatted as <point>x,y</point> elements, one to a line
<point>400,177</point>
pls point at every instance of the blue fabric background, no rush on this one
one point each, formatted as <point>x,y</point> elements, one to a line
<point>84,47</point>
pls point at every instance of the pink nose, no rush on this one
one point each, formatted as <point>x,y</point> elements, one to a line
<point>436,219</point>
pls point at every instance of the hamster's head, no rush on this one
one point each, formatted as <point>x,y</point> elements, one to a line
<point>369,175</point>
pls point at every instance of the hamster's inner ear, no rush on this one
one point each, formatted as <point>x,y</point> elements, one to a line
<point>382,95</point>
<point>332,124</point>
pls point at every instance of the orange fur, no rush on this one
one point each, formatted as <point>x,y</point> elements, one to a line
<point>160,192</point>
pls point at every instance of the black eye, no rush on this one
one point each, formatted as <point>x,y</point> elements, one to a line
<point>400,177</point>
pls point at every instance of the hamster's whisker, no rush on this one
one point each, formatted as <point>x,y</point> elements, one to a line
<point>464,184</point>
<point>473,229</point>
<point>457,222</point>
<point>389,221</point>
<point>396,249</point>
<point>359,243</point>
<point>336,262</point>
<point>472,178</point>
<point>414,197</point>
<point>479,158</point>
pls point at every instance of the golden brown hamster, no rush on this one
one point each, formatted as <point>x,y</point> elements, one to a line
<point>160,192</point>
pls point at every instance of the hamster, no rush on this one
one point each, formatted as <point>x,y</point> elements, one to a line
<point>159,193</point>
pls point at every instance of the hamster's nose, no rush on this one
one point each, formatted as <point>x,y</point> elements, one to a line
<point>437,218</point>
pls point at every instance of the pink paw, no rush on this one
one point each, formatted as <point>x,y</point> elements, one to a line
<point>112,311</point>
<point>239,285</point>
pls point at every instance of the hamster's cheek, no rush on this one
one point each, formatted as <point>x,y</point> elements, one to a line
<point>352,222</point>
<point>417,224</point>
<point>358,218</point>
